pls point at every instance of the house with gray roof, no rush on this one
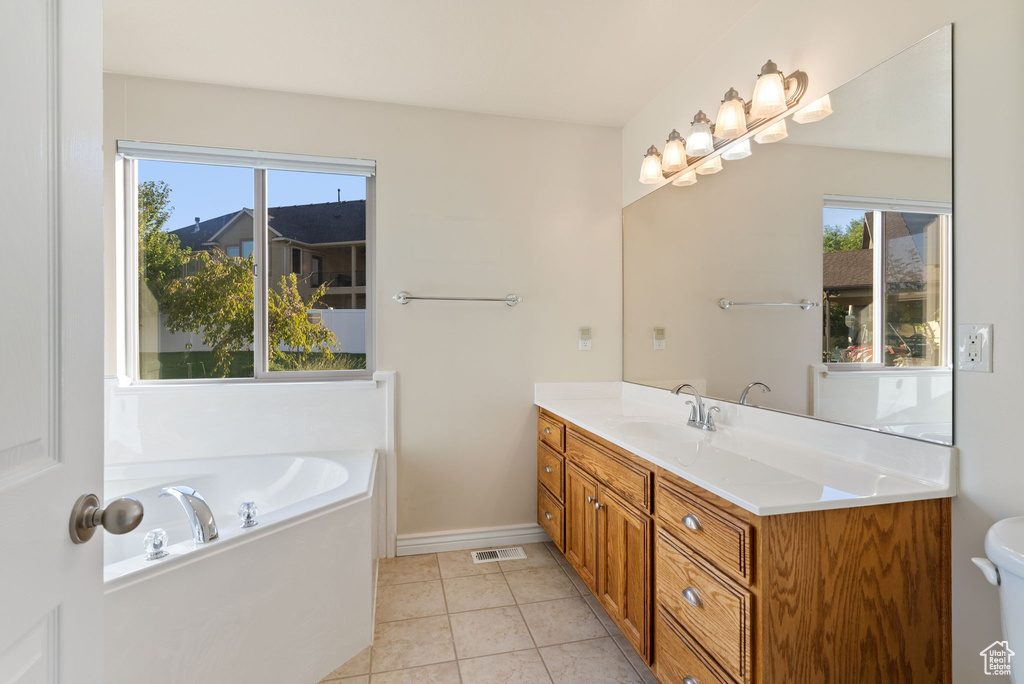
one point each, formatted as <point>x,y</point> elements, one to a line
<point>320,243</point>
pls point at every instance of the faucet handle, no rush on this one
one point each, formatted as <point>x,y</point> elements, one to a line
<point>695,417</point>
<point>709,420</point>
<point>247,512</point>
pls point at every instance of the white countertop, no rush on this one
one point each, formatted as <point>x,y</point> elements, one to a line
<point>764,461</point>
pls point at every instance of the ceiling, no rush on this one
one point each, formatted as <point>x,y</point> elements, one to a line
<point>904,105</point>
<point>593,61</point>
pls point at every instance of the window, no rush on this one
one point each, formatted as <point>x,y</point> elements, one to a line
<point>224,294</point>
<point>886,274</point>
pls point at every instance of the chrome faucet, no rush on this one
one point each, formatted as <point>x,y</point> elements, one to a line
<point>699,417</point>
<point>200,517</point>
<point>764,388</point>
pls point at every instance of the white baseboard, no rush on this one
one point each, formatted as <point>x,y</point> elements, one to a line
<point>461,540</point>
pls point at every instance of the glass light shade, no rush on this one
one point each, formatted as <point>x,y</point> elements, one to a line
<point>740,151</point>
<point>650,169</point>
<point>769,96</point>
<point>773,133</point>
<point>700,141</point>
<point>732,119</point>
<point>674,157</point>
<point>688,178</point>
<point>713,165</point>
<point>816,111</point>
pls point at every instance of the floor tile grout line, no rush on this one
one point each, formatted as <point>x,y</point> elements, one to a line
<point>539,654</point>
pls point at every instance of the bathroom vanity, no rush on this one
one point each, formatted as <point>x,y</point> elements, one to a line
<point>776,549</point>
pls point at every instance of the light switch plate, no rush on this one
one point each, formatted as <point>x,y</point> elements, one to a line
<point>659,339</point>
<point>585,341</point>
<point>974,348</point>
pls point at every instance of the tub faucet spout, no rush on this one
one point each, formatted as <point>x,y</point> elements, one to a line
<point>200,517</point>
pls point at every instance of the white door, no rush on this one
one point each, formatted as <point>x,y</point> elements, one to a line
<point>51,338</point>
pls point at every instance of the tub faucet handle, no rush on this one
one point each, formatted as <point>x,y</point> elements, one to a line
<point>156,541</point>
<point>247,512</point>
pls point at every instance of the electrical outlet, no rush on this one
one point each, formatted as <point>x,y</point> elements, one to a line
<point>585,340</point>
<point>659,339</point>
<point>974,348</point>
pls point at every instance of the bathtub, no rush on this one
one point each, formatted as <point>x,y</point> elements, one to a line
<point>287,600</point>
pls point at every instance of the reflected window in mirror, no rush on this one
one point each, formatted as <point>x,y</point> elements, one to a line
<point>885,289</point>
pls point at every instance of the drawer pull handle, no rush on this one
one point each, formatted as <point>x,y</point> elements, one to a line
<point>690,680</point>
<point>692,597</point>
<point>548,515</point>
<point>547,469</point>
<point>693,523</point>
<point>547,431</point>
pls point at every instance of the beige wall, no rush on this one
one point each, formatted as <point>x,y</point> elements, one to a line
<point>686,248</point>
<point>467,204</point>
<point>834,41</point>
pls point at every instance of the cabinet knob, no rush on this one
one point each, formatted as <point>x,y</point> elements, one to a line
<point>547,469</point>
<point>692,597</point>
<point>690,680</point>
<point>692,522</point>
<point>590,499</point>
<point>547,431</point>
<point>548,515</point>
<point>598,506</point>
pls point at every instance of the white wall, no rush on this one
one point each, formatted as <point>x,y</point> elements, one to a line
<point>833,42</point>
<point>467,204</point>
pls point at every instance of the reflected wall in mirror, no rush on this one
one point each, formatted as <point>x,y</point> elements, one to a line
<point>852,213</point>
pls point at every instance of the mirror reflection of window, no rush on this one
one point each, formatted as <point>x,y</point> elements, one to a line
<point>885,287</point>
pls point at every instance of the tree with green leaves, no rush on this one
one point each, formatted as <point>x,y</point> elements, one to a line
<point>843,238</point>
<point>211,294</point>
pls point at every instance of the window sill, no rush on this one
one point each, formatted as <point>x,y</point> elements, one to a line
<point>125,386</point>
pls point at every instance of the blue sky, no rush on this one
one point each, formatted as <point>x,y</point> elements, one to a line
<point>840,217</point>
<point>209,191</point>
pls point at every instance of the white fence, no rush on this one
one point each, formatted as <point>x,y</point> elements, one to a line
<point>348,325</point>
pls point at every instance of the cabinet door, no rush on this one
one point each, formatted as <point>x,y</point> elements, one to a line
<point>581,524</point>
<point>624,568</point>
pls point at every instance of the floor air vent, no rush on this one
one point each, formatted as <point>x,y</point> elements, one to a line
<point>491,555</point>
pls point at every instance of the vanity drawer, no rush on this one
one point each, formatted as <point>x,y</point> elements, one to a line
<point>550,515</point>
<point>551,431</point>
<point>719,615</point>
<point>719,537</point>
<point>549,471</point>
<point>676,657</point>
<point>626,478</point>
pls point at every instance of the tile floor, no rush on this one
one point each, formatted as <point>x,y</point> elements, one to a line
<point>441,619</point>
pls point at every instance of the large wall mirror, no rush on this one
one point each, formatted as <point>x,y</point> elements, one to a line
<point>852,213</point>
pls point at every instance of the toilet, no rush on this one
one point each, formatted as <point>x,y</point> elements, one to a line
<point>1004,567</point>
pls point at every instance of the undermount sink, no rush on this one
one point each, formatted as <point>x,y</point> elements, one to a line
<point>660,432</point>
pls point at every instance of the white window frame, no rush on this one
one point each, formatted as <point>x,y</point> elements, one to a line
<point>878,206</point>
<point>129,152</point>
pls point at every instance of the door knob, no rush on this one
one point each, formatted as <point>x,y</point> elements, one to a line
<point>121,516</point>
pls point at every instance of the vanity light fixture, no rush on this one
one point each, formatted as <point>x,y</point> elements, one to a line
<point>688,178</point>
<point>773,133</point>
<point>769,97</point>
<point>650,169</point>
<point>738,151</point>
<point>732,117</point>
<point>713,165</point>
<point>674,158</point>
<point>700,141</point>
<point>816,111</point>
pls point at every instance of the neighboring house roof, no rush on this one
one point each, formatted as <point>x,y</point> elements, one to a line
<point>848,270</point>
<point>904,263</point>
<point>311,224</point>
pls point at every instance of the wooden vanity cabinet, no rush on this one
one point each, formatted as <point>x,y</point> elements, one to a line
<point>704,589</point>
